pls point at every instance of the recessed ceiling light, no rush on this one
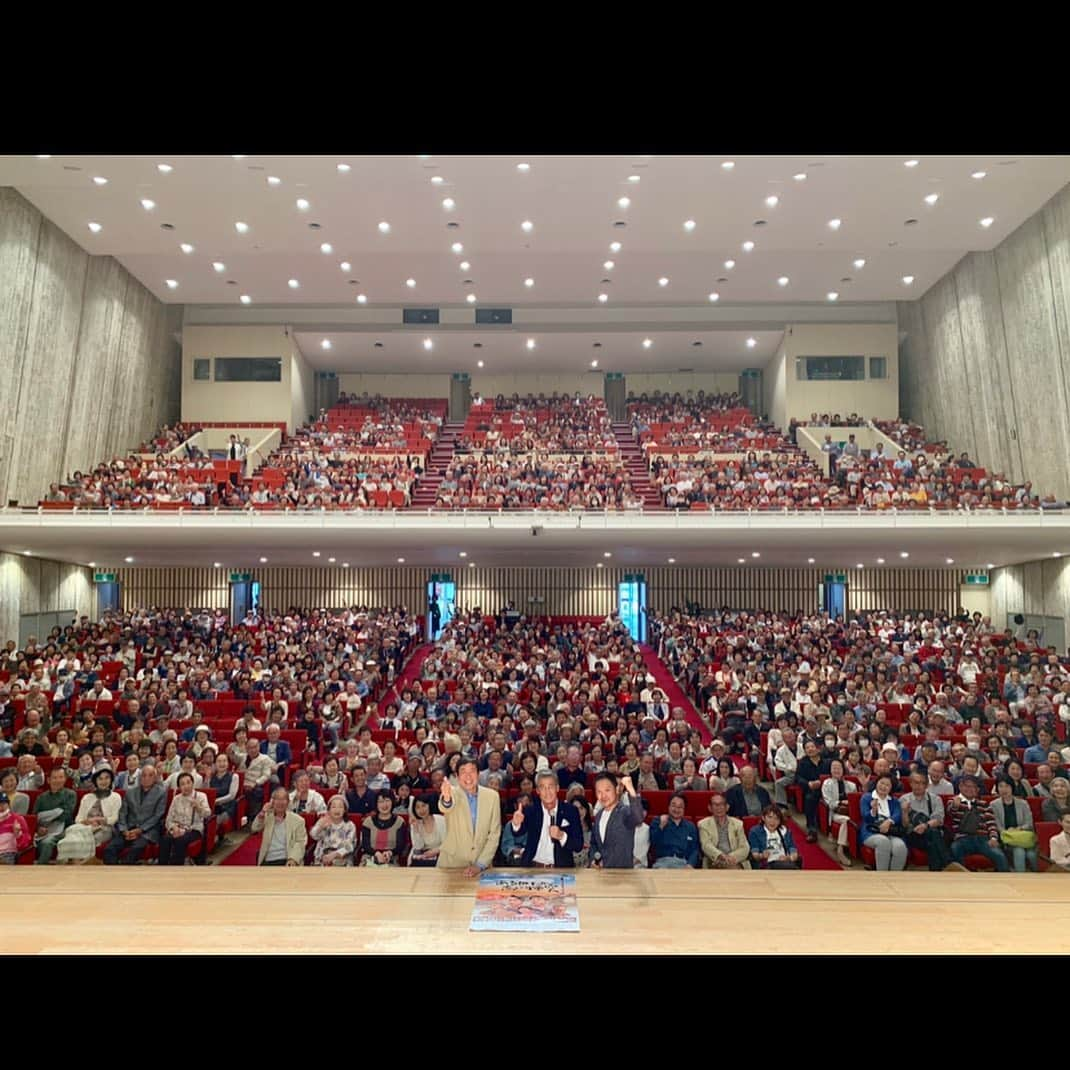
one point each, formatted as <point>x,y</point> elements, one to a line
<point>362,299</point>
<point>263,560</point>
<point>437,180</point>
<point>326,248</point>
<point>715,296</point>
<point>932,198</point>
<point>241,228</point>
<point>471,299</point>
<point>910,163</point>
<point>457,247</point>
<point>860,263</point>
<point>237,157</point>
<point>623,202</point>
<point>479,364</point>
<point>529,283</point>
<point>217,564</point>
<point>800,177</point>
<point>903,554</point>
<point>186,248</point>
<point>979,174</point>
<point>95,228</point>
<point>245,299</point>
<point>987,221</point>
<point>44,157</point>
<point>1056,553</point>
<point>810,560</point>
<point>428,344</point>
<point>752,342</point>
<point>727,165</point>
<point>772,200</point>
<point>689,224</point>
<point>449,203</point>
<point>741,560</point>
<point>471,564</point>
<point>594,363</point>
<point>463,553</point>
<point>325,344</point>
<point>315,553</point>
<point>302,204</point>
<point>606,553</point>
<point>748,246</point>
<point>880,560</point>
<point>907,280</point>
<point>384,228</point>
<point>345,564</point>
<point>464,265</point>
<point>860,565</point>
<point>401,561</point>
<point>950,560</point>
<point>599,565</point>
<point>729,264</point>
<point>344,168</point>
<point>530,343</point>
<point>273,180</point>
<point>835,224</point>
<point>523,167</point>
<point>672,560</point>
<point>663,281</point>
<point>345,266</point>
<point>647,343</point>
<point>755,553</point>
<point>172,284</point>
<point>609,265</point>
<point>990,565</point>
<point>527,226</point>
<point>332,559</point>
<point>147,204</point>
<point>128,560</point>
<point>411,283</point>
<point>218,266</point>
<point>603,298</point>
<point>614,247</point>
<point>783,280</point>
<point>100,180</point>
<point>832,295</point>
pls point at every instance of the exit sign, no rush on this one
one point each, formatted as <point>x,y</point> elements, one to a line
<point>241,577</point>
<point>104,577</point>
<point>613,377</point>
<point>440,577</point>
<point>976,579</point>
<point>835,577</point>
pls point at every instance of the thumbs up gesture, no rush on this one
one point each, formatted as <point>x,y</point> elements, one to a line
<point>446,790</point>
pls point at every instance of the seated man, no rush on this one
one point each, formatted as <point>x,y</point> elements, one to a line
<point>360,798</point>
<point>973,828</point>
<point>55,813</point>
<point>304,798</point>
<point>923,817</point>
<point>140,818</point>
<point>808,775</point>
<point>645,778</point>
<point>258,772</point>
<point>723,842</point>
<point>377,779</point>
<point>748,798</point>
<point>285,835</point>
<point>674,839</point>
<point>278,750</point>
<point>572,771</point>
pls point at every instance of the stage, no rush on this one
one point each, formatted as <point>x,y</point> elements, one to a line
<point>239,910</point>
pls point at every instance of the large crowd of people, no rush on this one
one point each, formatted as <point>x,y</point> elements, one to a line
<point>935,739</point>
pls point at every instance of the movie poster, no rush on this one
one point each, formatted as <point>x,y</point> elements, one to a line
<point>516,904</point>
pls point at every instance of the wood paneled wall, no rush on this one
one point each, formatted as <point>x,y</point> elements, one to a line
<point>557,591</point>
<point>88,367</point>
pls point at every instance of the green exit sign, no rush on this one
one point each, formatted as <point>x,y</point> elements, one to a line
<point>241,577</point>
<point>440,577</point>
<point>104,577</point>
<point>976,579</point>
<point>835,577</point>
<point>613,377</point>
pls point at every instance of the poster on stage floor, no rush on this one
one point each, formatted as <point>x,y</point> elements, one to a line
<point>516,904</point>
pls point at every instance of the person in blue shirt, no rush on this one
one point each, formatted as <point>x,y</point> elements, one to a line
<point>881,816</point>
<point>674,839</point>
<point>1039,751</point>
<point>771,842</point>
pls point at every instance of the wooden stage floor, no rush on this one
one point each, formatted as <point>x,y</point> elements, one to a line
<point>237,910</point>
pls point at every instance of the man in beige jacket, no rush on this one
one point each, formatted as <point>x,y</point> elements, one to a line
<point>285,835</point>
<point>473,822</point>
<point>723,842</point>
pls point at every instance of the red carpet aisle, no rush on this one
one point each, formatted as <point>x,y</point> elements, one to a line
<point>245,855</point>
<point>673,691</point>
<point>410,673</point>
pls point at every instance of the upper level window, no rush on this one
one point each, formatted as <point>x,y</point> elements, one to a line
<point>248,369</point>
<point>830,368</point>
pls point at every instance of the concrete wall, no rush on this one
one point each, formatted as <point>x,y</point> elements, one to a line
<point>774,389</point>
<point>985,353</point>
<point>88,367</point>
<point>282,402</point>
<point>34,585</point>
<point>1040,588</point>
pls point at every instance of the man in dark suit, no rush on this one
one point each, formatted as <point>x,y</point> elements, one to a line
<point>613,831</point>
<point>552,829</point>
<point>748,798</point>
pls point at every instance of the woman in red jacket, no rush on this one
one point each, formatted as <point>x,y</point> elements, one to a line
<point>14,832</point>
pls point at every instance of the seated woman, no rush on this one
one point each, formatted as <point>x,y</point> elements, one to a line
<point>335,835</point>
<point>771,843</point>
<point>1015,773</point>
<point>724,777</point>
<point>513,843</point>
<point>427,832</point>
<point>834,792</point>
<point>184,824</point>
<point>1059,845</point>
<point>881,820</point>
<point>1014,820</point>
<point>94,823</point>
<point>689,779</point>
<point>1053,809</point>
<point>329,775</point>
<point>384,834</point>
